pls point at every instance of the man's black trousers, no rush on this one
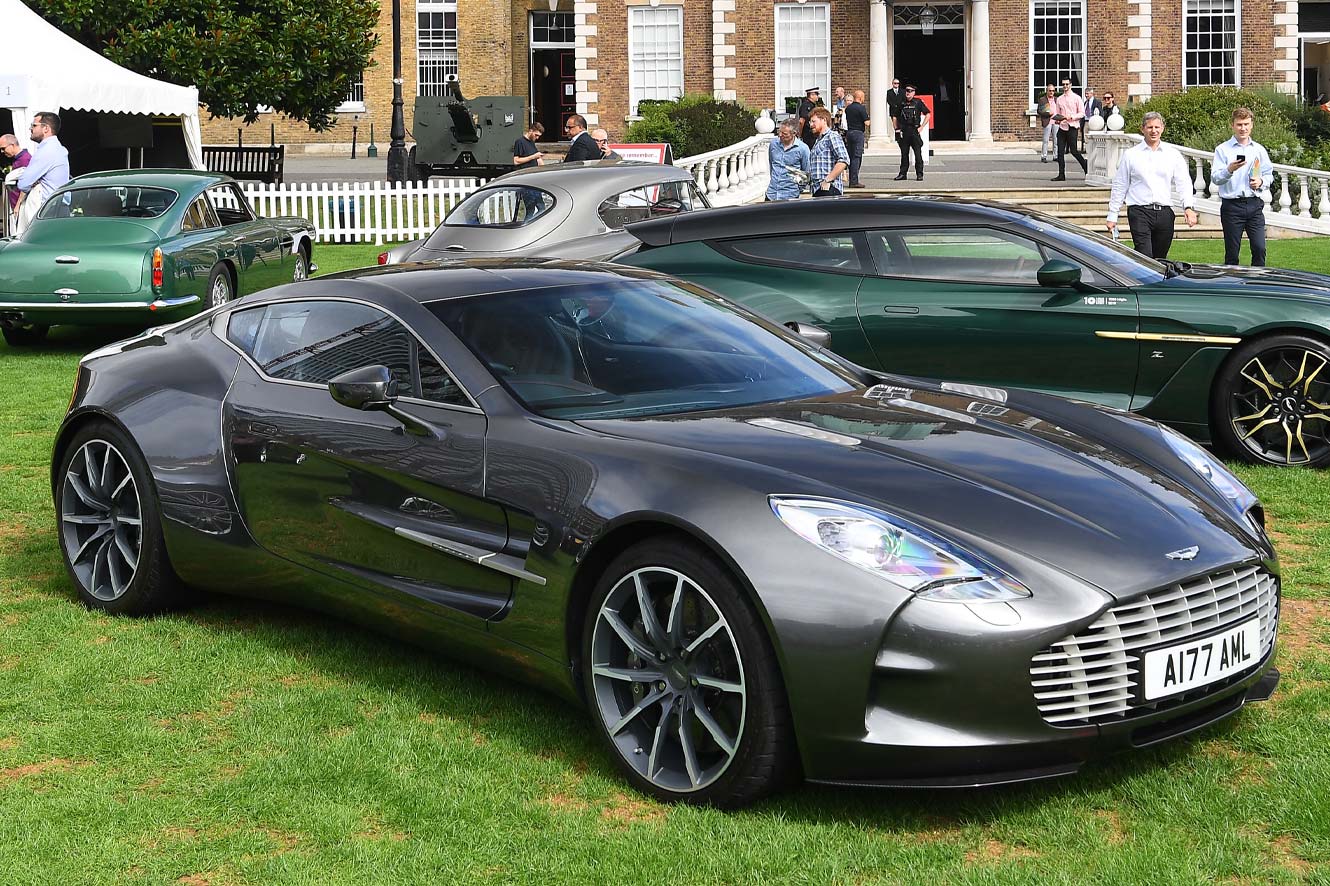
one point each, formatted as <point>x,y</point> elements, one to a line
<point>1238,215</point>
<point>1067,145</point>
<point>1151,229</point>
<point>854,143</point>
<point>910,138</point>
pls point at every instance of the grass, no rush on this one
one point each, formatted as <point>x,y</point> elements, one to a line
<point>246,743</point>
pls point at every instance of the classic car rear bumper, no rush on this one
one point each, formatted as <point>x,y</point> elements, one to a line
<point>52,313</point>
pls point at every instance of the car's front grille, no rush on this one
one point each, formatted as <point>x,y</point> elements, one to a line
<point>1091,677</point>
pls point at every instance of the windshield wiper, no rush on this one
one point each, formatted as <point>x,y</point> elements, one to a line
<point>591,398</point>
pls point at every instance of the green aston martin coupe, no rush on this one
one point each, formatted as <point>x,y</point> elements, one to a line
<point>989,294</point>
<point>142,247</point>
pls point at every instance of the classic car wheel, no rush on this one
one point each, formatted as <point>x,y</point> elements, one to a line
<point>219,287</point>
<point>110,525</point>
<point>682,679</point>
<point>1272,401</point>
<point>29,334</point>
<point>301,270</point>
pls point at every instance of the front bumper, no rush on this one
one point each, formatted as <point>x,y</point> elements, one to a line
<point>19,313</point>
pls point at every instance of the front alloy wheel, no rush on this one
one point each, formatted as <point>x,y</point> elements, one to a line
<point>682,680</point>
<point>1273,401</point>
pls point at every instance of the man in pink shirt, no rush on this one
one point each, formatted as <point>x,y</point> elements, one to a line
<point>1068,112</point>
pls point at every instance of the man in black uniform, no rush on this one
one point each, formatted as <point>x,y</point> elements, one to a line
<point>811,101</point>
<point>584,147</point>
<point>910,117</point>
<point>856,124</point>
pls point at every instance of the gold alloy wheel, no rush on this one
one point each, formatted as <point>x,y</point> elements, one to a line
<point>1280,406</point>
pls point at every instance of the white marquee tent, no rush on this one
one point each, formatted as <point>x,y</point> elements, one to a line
<point>44,69</point>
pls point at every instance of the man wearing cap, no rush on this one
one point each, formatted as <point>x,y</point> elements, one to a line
<point>812,99</point>
<point>910,116</point>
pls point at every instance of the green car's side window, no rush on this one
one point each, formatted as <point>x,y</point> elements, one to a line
<point>963,255</point>
<point>836,251</point>
<point>316,341</point>
<point>198,217</point>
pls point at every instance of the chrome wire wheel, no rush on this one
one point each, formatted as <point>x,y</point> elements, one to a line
<point>301,270</point>
<point>1279,406</point>
<point>219,290</point>
<point>668,680</point>
<point>101,520</point>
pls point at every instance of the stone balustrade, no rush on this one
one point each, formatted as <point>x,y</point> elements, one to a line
<point>732,175</point>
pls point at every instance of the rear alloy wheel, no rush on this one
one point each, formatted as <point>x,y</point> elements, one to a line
<point>219,287</point>
<point>28,334</point>
<point>682,679</point>
<point>1272,401</point>
<point>301,270</point>
<point>110,526</point>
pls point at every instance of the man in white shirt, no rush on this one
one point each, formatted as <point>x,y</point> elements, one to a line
<point>1242,170</point>
<point>1149,178</point>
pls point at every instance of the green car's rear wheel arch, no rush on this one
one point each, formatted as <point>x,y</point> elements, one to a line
<point>1271,401</point>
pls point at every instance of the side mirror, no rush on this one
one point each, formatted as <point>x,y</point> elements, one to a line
<point>1058,274</point>
<point>366,388</point>
<point>818,336</point>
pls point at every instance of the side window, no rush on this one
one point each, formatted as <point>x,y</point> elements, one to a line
<point>650,201</point>
<point>1088,274</point>
<point>229,204</point>
<point>823,251</point>
<point>197,216</point>
<point>978,255</point>
<point>315,342</point>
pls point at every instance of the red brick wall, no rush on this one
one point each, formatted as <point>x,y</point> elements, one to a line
<point>1009,62</point>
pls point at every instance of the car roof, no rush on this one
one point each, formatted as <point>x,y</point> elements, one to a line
<point>812,216</point>
<point>176,179</point>
<point>617,174</point>
<point>460,278</point>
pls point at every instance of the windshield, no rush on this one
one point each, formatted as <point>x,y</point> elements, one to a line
<point>505,207</point>
<point>1112,255</point>
<point>632,348</point>
<point>108,202</point>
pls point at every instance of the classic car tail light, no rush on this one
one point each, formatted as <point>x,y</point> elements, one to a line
<point>383,258</point>
<point>157,269</point>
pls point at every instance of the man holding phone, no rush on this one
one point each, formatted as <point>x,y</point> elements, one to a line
<point>1242,170</point>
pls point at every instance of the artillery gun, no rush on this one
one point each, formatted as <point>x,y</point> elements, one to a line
<point>459,136</point>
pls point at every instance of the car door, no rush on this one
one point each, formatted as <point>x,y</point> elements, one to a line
<point>194,249</point>
<point>252,243</point>
<point>351,493</point>
<point>965,304</point>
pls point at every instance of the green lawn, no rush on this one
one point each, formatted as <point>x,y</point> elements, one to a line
<point>244,743</point>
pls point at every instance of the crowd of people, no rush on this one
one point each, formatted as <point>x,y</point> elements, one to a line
<point>33,175</point>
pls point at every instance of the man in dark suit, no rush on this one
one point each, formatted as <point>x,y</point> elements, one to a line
<point>584,147</point>
<point>894,97</point>
<point>1093,108</point>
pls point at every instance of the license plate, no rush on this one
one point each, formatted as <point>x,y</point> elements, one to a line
<point>1184,666</point>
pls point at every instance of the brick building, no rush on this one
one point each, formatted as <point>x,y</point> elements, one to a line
<point>981,60</point>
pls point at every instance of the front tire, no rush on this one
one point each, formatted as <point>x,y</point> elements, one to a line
<point>109,525</point>
<point>220,290</point>
<point>682,681</point>
<point>1271,402</point>
<point>26,335</point>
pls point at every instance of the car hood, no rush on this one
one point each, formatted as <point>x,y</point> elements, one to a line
<point>106,256</point>
<point>1245,278</point>
<point>1003,482</point>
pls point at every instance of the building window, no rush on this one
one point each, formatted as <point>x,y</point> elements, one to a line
<point>436,45</point>
<point>655,53</point>
<point>803,49</point>
<point>1057,38</point>
<point>354,103</point>
<point>1210,43</point>
<point>555,28</point>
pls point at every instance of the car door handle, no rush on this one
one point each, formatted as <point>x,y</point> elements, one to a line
<point>900,309</point>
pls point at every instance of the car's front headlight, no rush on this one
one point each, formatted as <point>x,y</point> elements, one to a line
<point>1213,471</point>
<point>894,549</point>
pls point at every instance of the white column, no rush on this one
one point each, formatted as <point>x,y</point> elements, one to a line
<point>879,77</point>
<point>981,124</point>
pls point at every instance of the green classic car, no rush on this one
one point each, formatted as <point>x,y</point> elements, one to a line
<point>988,294</point>
<point>142,247</point>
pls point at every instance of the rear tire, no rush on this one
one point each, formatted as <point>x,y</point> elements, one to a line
<point>300,272</point>
<point>220,288</point>
<point>109,525</point>
<point>26,335</point>
<point>1270,402</point>
<point>682,681</point>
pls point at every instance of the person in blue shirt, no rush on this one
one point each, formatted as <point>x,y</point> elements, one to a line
<point>787,152</point>
<point>48,170</point>
<point>1242,170</point>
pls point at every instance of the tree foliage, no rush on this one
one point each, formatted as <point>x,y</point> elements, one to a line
<point>297,57</point>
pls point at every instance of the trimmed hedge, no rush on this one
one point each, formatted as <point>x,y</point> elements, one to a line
<point>693,124</point>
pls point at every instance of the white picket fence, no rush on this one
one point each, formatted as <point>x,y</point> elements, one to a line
<point>377,212</point>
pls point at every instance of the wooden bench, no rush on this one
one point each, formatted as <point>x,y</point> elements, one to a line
<point>260,163</point>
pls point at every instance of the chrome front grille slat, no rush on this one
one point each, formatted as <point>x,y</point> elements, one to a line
<point>1090,677</point>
